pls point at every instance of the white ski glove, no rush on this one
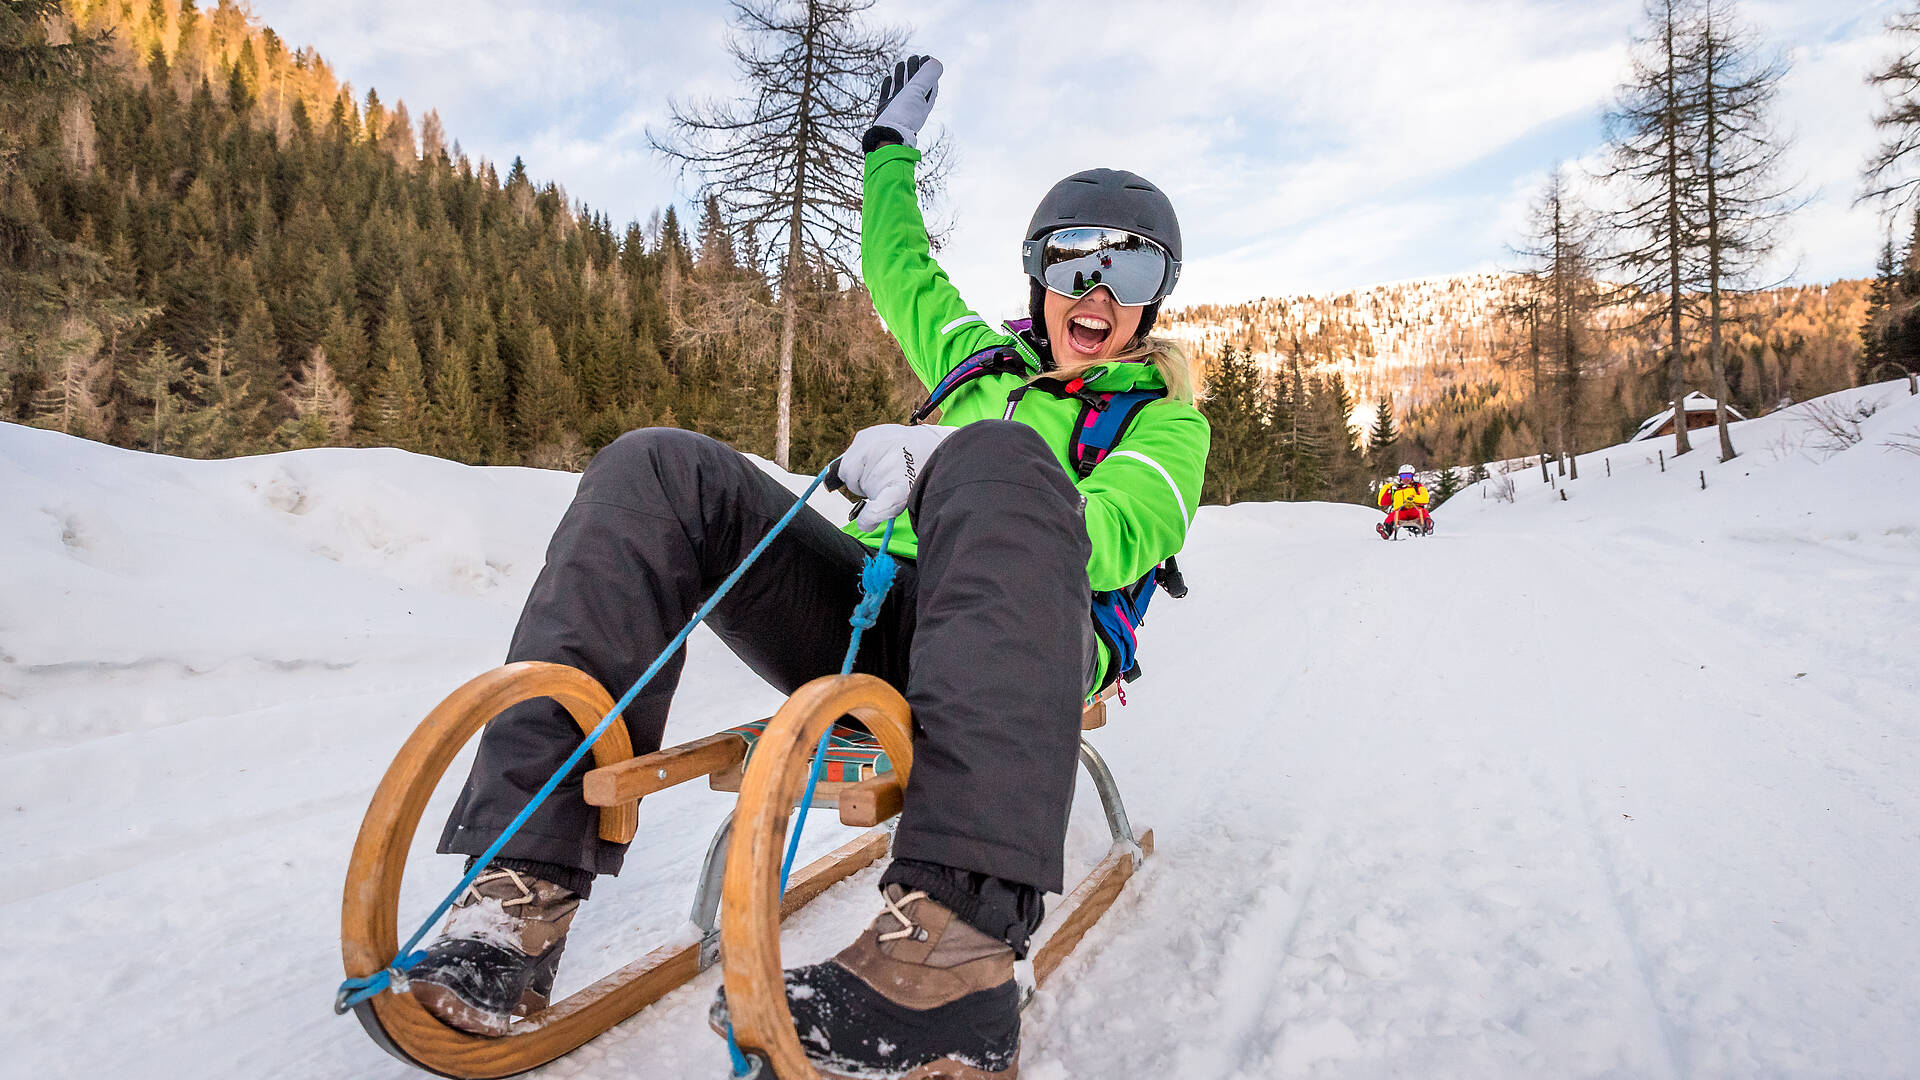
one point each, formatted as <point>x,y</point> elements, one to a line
<point>906,96</point>
<point>881,465</point>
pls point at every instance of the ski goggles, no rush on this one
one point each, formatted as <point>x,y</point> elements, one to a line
<point>1074,262</point>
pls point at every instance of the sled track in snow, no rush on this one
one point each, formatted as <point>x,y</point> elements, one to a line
<point>1600,855</point>
<point>1256,949</point>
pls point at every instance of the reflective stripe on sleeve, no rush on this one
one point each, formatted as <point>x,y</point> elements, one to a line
<point>960,322</point>
<point>1164,475</point>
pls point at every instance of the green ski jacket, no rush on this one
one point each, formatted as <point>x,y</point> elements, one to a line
<point>1140,500</point>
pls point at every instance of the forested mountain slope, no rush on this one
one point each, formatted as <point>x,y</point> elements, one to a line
<point>216,247</point>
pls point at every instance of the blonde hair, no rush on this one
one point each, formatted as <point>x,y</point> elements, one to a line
<point>1165,354</point>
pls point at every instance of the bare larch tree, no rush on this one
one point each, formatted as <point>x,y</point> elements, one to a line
<point>1520,304</point>
<point>1653,134</point>
<point>785,157</point>
<point>1889,177</point>
<point>1739,157</point>
<point>1558,277</point>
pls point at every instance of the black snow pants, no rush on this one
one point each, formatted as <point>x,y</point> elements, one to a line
<point>987,632</point>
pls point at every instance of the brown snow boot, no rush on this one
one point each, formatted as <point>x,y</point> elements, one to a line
<point>920,995</point>
<point>497,955</point>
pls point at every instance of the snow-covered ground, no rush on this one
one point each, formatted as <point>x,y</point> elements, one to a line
<point>1624,785</point>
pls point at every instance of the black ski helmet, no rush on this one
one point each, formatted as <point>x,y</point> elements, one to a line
<point>1110,199</point>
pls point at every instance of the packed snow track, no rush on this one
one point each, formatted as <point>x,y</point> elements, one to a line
<point>1625,784</point>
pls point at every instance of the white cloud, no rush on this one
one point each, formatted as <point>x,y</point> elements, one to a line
<point>568,86</point>
<point>1308,146</point>
<point>1298,141</point>
<point>1827,107</point>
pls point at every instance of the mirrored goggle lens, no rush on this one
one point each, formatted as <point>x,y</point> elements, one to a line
<point>1075,261</point>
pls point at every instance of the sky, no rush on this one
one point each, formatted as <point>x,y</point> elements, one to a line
<point>1307,147</point>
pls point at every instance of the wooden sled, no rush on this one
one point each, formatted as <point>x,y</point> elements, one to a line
<point>737,907</point>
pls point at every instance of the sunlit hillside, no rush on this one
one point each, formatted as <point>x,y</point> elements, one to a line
<point>1453,355</point>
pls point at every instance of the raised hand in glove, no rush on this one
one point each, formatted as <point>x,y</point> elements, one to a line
<point>906,97</point>
<point>882,464</point>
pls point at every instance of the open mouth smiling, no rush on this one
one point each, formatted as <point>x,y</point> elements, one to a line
<point>1087,333</point>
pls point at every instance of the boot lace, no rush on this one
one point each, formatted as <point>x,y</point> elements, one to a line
<point>473,891</point>
<point>908,929</point>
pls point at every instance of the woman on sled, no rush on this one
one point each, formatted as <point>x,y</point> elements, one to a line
<point>987,629</point>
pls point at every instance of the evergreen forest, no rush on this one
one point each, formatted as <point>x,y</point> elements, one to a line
<point>215,247</point>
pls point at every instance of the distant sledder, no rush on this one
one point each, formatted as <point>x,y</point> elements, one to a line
<point>1405,499</point>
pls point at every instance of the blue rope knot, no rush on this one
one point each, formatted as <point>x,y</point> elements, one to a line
<point>354,991</point>
<point>875,579</point>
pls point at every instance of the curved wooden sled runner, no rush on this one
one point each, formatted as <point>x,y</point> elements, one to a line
<point>737,908</point>
<point>749,929</point>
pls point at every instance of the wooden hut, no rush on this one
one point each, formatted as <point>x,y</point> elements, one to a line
<point>1699,415</point>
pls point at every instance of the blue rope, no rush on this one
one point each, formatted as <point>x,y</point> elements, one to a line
<point>876,577</point>
<point>354,991</point>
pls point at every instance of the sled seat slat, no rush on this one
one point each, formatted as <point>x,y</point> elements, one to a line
<point>853,755</point>
<point>854,759</point>
<point>641,776</point>
<point>1095,714</point>
<point>879,798</point>
<point>872,801</point>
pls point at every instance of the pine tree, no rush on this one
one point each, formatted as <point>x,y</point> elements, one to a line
<point>256,351</point>
<point>716,257</point>
<point>1302,449</point>
<point>1283,422</point>
<point>1446,486</point>
<point>322,408</point>
<point>1241,461</point>
<point>546,394</point>
<point>492,394</point>
<point>456,409</point>
<point>74,400</point>
<point>346,344</point>
<point>160,381</point>
<point>396,411</point>
<point>1331,413</point>
<point>1383,441</point>
<point>229,407</point>
<point>43,277</point>
<point>1875,329</point>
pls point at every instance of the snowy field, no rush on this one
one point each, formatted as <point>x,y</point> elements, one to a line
<point>1621,785</point>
